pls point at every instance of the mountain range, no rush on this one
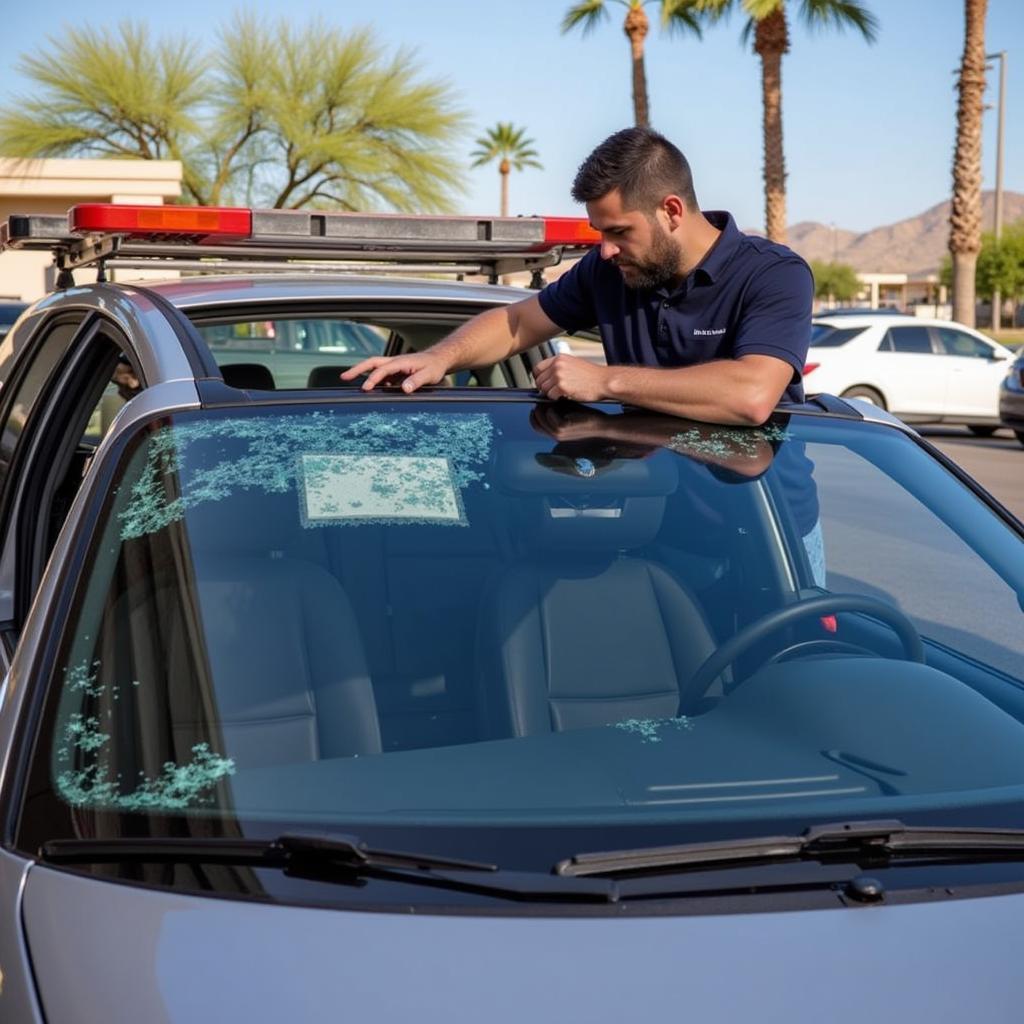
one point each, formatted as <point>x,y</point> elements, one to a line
<point>914,246</point>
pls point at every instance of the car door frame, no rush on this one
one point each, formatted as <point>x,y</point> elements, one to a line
<point>43,455</point>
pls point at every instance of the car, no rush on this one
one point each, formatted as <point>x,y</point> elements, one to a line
<point>861,311</point>
<point>922,370</point>
<point>469,703</point>
<point>9,313</point>
<point>1011,398</point>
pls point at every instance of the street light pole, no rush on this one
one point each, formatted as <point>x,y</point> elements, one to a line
<point>997,299</point>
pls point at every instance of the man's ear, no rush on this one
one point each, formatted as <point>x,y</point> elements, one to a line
<point>675,210</point>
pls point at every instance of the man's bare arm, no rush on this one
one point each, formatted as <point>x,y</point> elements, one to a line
<point>486,339</point>
<point>740,391</point>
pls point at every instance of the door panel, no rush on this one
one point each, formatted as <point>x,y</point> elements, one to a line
<point>911,372</point>
<point>974,376</point>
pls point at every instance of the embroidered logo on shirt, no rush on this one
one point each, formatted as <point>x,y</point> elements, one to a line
<point>709,330</point>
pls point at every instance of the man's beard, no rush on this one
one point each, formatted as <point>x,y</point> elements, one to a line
<point>660,266</point>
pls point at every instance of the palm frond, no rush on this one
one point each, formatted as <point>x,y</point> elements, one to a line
<point>681,17</point>
<point>839,15</point>
<point>714,11</point>
<point>588,14</point>
<point>505,142</point>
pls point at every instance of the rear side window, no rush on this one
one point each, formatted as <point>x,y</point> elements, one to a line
<point>827,336</point>
<point>291,353</point>
<point>906,339</point>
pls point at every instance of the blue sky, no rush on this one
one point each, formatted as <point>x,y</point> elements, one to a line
<point>869,130</point>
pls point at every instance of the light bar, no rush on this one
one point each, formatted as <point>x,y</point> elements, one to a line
<point>569,231</point>
<point>161,221</point>
<point>190,237</point>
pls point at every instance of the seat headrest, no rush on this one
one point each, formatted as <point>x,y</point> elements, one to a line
<point>248,376</point>
<point>330,377</point>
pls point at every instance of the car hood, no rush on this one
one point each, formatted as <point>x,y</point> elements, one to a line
<point>104,951</point>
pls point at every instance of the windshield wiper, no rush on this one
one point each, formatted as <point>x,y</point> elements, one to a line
<point>348,851</point>
<point>875,841</point>
<point>331,858</point>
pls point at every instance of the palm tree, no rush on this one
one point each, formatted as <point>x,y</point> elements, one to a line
<point>965,215</point>
<point>766,23</point>
<point>506,144</point>
<point>676,15</point>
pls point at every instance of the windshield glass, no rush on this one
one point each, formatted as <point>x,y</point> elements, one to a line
<point>452,613</point>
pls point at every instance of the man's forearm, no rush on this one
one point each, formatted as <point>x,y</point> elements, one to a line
<point>488,338</point>
<point>725,391</point>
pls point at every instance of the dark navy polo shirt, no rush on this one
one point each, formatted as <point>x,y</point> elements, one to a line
<point>747,296</point>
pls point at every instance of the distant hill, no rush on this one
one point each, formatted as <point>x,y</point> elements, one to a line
<point>914,246</point>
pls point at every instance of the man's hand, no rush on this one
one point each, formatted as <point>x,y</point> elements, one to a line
<point>410,371</point>
<point>571,377</point>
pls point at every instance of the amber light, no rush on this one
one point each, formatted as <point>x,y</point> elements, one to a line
<point>569,231</point>
<point>148,221</point>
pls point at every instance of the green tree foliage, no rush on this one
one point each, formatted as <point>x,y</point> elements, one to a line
<point>836,281</point>
<point>1000,265</point>
<point>510,147</point>
<point>274,115</point>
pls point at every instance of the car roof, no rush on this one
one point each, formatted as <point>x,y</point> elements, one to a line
<point>204,291</point>
<point>868,319</point>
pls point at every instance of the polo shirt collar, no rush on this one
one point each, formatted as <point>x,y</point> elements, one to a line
<point>723,250</point>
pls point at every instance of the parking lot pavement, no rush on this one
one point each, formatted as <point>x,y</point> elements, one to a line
<point>996,462</point>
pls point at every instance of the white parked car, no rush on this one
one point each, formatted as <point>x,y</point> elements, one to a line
<point>922,370</point>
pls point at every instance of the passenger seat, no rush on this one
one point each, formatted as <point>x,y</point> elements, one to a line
<point>290,676</point>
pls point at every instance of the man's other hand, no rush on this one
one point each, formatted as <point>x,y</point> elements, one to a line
<point>571,377</point>
<point>409,372</point>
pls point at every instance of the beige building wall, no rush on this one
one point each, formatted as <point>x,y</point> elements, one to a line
<point>53,186</point>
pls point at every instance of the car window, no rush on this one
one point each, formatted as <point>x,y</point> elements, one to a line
<point>960,343</point>
<point>26,390</point>
<point>288,353</point>
<point>827,336</point>
<point>123,386</point>
<point>9,313</point>
<point>906,339</point>
<point>896,547</point>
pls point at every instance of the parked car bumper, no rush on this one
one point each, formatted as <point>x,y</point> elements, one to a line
<point>1011,402</point>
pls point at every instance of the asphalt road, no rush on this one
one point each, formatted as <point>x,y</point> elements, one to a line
<point>996,462</point>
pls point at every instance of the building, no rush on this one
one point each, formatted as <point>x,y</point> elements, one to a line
<point>52,186</point>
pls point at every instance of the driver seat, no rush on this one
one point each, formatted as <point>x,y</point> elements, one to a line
<point>585,631</point>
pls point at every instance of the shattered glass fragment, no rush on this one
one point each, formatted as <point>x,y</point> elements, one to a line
<point>649,729</point>
<point>274,450</point>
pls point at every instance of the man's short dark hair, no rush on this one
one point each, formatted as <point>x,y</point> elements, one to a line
<point>643,165</point>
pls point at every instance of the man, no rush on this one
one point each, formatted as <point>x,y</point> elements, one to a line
<point>697,319</point>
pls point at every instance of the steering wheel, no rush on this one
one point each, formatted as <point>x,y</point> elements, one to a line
<point>825,604</point>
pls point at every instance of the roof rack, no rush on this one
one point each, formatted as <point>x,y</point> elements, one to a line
<point>212,239</point>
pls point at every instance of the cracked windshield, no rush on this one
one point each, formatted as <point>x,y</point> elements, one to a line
<point>536,614</point>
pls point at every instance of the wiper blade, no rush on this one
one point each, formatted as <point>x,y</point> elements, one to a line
<point>332,858</point>
<point>342,850</point>
<point>857,840</point>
